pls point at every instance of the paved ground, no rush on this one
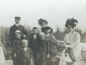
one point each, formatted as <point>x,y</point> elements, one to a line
<point>8,62</point>
<point>83,63</point>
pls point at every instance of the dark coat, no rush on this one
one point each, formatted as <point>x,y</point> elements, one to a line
<point>17,46</point>
<point>12,32</point>
<point>24,57</point>
<point>34,43</point>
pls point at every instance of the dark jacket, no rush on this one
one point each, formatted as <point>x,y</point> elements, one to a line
<point>17,46</point>
<point>26,54</point>
<point>34,43</point>
<point>12,32</point>
<point>24,57</point>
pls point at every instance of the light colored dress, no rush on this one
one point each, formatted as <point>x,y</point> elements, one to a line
<point>73,40</point>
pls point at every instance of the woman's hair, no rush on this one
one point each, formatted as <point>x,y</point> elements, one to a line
<point>71,22</point>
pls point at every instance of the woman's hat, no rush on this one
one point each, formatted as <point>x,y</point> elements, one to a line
<point>47,28</point>
<point>40,21</point>
<point>72,22</point>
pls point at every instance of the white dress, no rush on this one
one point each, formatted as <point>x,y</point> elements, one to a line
<point>73,38</point>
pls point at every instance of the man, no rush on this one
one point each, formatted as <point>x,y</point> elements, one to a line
<point>13,28</point>
<point>34,43</point>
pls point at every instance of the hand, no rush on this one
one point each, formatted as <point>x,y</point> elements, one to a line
<point>14,55</point>
<point>77,59</point>
<point>68,46</point>
<point>48,55</point>
<point>53,59</point>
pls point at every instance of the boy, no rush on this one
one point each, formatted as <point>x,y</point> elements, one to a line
<point>34,41</point>
<point>25,53</point>
<point>16,47</point>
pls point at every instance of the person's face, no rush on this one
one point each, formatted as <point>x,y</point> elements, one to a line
<point>17,21</point>
<point>18,35</point>
<point>69,28</point>
<point>35,31</point>
<point>24,44</point>
<point>24,36</point>
<point>47,31</point>
<point>43,24</point>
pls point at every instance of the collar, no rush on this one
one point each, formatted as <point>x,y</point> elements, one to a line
<point>17,24</point>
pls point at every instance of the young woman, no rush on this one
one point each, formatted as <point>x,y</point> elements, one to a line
<point>43,48</point>
<point>72,42</point>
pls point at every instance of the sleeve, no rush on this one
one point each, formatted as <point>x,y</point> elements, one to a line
<point>24,30</point>
<point>29,42</point>
<point>25,34</point>
<point>30,51</point>
<point>11,33</point>
<point>42,36</point>
<point>76,40</point>
<point>11,37</point>
<point>53,39</point>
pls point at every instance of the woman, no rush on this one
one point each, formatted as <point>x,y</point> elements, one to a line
<point>43,48</point>
<point>50,46</point>
<point>72,42</point>
<point>42,22</point>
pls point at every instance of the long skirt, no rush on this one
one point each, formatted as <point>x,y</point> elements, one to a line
<point>43,58</point>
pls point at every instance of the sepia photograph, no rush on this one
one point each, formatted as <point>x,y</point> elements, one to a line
<point>42,32</point>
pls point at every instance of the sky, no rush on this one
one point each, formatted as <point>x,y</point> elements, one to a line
<point>55,12</point>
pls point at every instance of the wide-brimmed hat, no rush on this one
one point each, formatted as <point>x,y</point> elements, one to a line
<point>72,22</point>
<point>40,21</point>
<point>47,28</point>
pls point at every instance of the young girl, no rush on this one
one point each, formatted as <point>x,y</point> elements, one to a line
<point>72,42</point>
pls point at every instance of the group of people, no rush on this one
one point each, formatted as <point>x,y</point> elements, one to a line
<point>41,46</point>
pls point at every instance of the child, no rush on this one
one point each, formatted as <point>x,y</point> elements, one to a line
<point>52,51</point>
<point>16,47</point>
<point>26,53</point>
<point>34,41</point>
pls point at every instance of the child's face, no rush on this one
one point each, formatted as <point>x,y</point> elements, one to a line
<point>18,35</point>
<point>35,31</point>
<point>24,43</point>
<point>47,31</point>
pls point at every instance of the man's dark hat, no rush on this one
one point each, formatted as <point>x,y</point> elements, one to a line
<point>47,28</point>
<point>17,17</point>
<point>40,21</point>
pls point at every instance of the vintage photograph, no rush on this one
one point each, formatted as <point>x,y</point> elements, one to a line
<point>42,32</point>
